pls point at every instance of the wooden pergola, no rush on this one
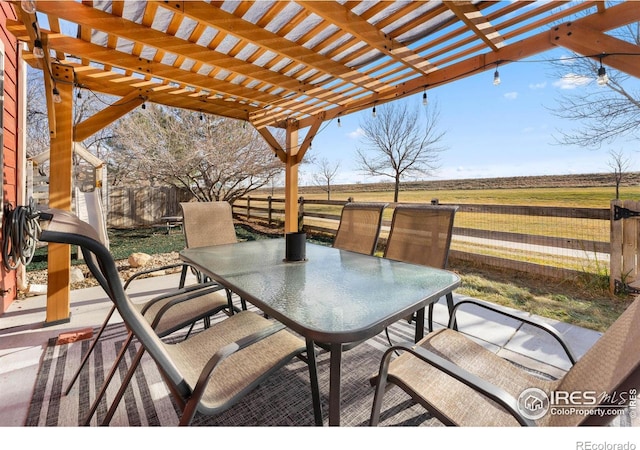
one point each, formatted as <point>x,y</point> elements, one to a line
<point>282,64</point>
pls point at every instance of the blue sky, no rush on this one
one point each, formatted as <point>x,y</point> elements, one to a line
<point>490,131</point>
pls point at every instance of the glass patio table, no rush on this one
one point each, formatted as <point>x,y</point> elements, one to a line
<point>335,297</point>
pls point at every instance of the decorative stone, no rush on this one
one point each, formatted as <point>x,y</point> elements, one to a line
<point>76,275</point>
<point>139,259</point>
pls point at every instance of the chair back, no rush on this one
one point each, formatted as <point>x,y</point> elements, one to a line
<point>64,227</point>
<point>421,234</point>
<point>207,223</point>
<point>359,227</point>
<point>610,370</point>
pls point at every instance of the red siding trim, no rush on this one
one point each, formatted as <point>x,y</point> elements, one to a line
<point>10,150</point>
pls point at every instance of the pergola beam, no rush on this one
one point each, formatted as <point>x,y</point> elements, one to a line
<point>596,44</point>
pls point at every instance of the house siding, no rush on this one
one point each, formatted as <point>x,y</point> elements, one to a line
<point>10,124</point>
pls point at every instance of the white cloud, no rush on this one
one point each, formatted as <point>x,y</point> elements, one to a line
<point>359,132</point>
<point>538,85</point>
<point>511,95</point>
<point>572,81</point>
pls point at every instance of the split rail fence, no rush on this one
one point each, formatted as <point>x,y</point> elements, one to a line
<point>557,242</point>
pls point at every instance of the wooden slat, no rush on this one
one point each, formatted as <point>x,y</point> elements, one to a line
<point>629,244</point>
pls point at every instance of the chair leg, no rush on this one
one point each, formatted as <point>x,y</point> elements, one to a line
<point>315,387</point>
<point>450,307</point>
<point>88,354</point>
<point>183,276</point>
<point>381,386</point>
<point>123,387</point>
<point>105,384</point>
<point>430,318</point>
<point>449,297</point>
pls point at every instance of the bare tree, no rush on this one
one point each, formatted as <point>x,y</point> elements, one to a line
<point>398,144</point>
<point>326,174</point>
<point>603,111</point>
<point>213,158</point>
<point>86,104</point>
<point>619,164</point>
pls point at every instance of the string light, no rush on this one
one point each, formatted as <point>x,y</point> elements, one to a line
<point>56,95</point>
<point>425,101</point>
<point>28,6</point>
<point>339,123</point>
<point>38,51</point>
<point>603,78</point>
<point>496,76</point>
<point>373,112</point>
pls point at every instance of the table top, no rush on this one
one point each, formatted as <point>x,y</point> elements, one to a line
<point>336,296</point>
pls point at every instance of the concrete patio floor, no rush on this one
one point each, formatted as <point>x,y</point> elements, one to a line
<point>24,336</point>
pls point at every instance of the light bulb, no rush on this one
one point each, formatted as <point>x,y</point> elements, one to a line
<point>38,51</point>
<point>28,6</point>
<point>425,101</point>
<point>144,106</point>
<point>496,78</point>
<point>56,96</point>
<point>603,78</point>
<point>373,112</point>
<point>339,123</point>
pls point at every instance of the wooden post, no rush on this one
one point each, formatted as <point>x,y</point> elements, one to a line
<point>248,207</point>
<point>269,203</point>
<point>59,255</point>
<point>292,164</point>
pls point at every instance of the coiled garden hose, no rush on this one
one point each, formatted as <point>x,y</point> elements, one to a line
<point>20,232</point>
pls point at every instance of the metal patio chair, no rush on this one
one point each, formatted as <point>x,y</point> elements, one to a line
<point>205,224</point>
<point>359,227</point>
<point>205,300</point>
<point>462,383</point>
<point>167,312</point>
<point>421,234</point>
<point>210,371</point>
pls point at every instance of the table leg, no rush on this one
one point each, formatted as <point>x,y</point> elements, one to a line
<point>313,376</point>
<point>419,324</point>
<point>335,368</point>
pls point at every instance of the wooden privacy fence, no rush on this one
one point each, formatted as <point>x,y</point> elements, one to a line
<point>551,241</point>
<point>625,246</point>
<point>143,207</point>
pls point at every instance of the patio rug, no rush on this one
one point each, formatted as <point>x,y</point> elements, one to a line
<point>282,400</point>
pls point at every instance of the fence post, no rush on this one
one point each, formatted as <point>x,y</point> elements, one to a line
<point>300,213</point>
<point>248,207</point>
<point>269,207</point>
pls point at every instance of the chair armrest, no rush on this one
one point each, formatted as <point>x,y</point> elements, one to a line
<point>193,288</point>
<point>229,350</point>
<point>528,320</point>
<point>179,297</point>
<point>155,269</point>
<point>495,393</point>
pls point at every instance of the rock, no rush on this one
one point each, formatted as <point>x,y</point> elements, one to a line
<point>76,275</point>
<point>139,259</point>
